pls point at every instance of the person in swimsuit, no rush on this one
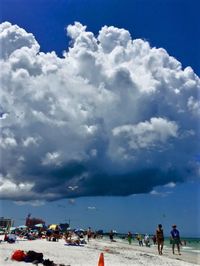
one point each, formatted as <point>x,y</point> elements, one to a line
<point>160,238</point>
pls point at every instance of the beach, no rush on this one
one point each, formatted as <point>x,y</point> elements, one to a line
<point>115,253</point>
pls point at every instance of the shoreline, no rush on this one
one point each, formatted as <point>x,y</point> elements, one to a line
<point>115,253</point>
<point>186,255</point>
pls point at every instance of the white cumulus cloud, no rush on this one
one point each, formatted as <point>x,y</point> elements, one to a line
<point>112,111</point>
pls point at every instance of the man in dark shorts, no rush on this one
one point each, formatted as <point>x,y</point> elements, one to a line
<point>175,239</point>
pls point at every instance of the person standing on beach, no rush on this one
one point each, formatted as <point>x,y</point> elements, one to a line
<point>154,239</point>
<point>175,239</point>
<point>129,237</point>
<point>89,234</point>
<point>111,235</point>
<point>160,238</point>
<point>146,240</point>
<point>139,238</point>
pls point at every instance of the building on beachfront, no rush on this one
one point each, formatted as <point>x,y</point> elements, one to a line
<point>31,222</point>
<point>6,222</point>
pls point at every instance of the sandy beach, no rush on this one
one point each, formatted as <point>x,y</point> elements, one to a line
<point>115,253</point>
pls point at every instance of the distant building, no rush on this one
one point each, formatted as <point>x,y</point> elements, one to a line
<point>31,222</point>
<point>6,222</point>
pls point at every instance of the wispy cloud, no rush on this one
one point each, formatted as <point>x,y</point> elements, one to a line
<point>91,208</point>
<point>170,185</point>
<point>34,203</point>
<point>161,194</point>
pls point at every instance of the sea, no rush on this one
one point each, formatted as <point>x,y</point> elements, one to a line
<point>192,244</point>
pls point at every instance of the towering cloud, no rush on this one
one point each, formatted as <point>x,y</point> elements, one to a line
<point>112,117</point>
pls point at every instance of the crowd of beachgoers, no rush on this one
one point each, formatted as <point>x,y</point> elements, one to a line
<point>54,232</point>
<point>30,243</point>
<point>51,233</point>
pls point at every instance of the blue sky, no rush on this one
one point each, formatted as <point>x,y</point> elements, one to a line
<point>165,196</point>
<point>173,25</point>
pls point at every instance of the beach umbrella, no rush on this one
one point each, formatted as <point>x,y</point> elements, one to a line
<point>53,226</point>
<point>12,228</point>
<point>39,225</point>
<point>79,230</point>
<point>22,226</point>
<point>34,230</point>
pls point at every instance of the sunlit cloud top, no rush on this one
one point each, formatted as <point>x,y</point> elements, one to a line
<point>114,116</point>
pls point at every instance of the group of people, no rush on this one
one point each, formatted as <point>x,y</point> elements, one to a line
<point>158,239</point>
<point>79,237</point>
<point>175,239</point>
<point>53,234</point>
<point>141,241</point>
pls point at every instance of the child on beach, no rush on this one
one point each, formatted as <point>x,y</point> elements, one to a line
<point>160,238</point>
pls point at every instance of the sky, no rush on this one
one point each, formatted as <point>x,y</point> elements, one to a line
<point>100,113</point>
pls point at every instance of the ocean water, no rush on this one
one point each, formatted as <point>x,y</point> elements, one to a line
<point>192,244</point>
